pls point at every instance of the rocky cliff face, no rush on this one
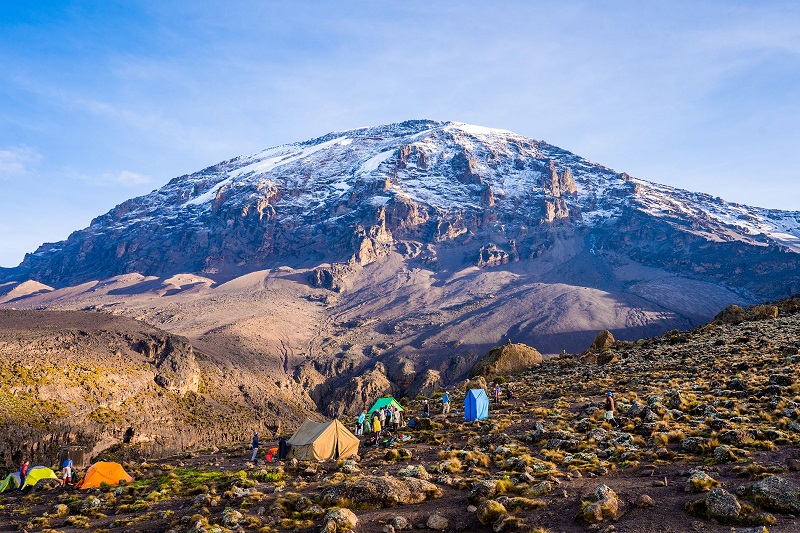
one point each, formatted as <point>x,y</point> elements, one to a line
<point>97,380</point>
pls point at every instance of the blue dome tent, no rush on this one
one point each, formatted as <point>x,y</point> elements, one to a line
<point>476,405</point>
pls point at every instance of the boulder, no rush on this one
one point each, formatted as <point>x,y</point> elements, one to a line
<point>489,511</point>
<point>437,522</point>
<point>602,341</point>
<point>692,444</point>
<point>722,505</point>
<point>382,491</point>
<point>507,359</point>
<point>724,454</point>
<point>733,314</point>
<point>699,481</point>
<point>737,437</point>
<point>776,494</point>
<point>343,518</point>
<point>604,507</point>
<point>606,357</point>
<point>482,490</point>
<point>400,523</point>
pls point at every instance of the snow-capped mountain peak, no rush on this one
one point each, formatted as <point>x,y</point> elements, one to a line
<point>355,195</point>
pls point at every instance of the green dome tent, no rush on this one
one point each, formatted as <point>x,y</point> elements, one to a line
<point>10,482</point>
<point>386,401</point>
<point>36,474</point>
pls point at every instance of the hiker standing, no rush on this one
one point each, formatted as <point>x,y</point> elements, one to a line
<point>23,472</point>
<point>398,416</point>
<point>254,446</point>
<point>390,417</point>
<point>609,408</point>
<point>496,393</point>
<point>66,472</point>
<point>426,410</point>
<point>445,403</point>
<point>382,416</point>
<point>376,429</point>
<point>395,418</point>
<point>283,449</point>
<point>360,423</point>
<point>510,393</point>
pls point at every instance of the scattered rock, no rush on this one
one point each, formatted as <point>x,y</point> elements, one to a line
<point>489,511</point>
<point>483,490</point>
<point>342,518</point>
<point>721,504</point>
<point>644,501</point>
<point>400,523</point>
<point>724,454</point>
<point>383,491</point>
<point>437,522</point>
<point>699,481</point>
<point>737,437</point>
<point>693,444</point>
<point>776,494</point>
<point>604,507</point>
<point>59,511</point>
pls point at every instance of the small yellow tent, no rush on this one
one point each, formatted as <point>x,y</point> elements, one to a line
<point>322,442</point>
<point>103,472</point>
<point>36,474</point>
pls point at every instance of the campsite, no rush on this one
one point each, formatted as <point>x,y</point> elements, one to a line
<point>535,463</point>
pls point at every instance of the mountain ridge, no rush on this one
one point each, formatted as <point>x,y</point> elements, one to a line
<point>389,166</point>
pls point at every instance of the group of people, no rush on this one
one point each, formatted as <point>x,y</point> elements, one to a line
<point>382,420</point>
<point>497,390</point>
<point>68,474</point>
<point>272,454</point>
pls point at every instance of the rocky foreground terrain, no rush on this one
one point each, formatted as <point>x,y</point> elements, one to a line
<point>710,427</point>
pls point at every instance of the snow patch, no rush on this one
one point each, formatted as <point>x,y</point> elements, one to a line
<point>375,161</point>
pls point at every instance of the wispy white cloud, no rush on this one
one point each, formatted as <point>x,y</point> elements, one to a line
<point>18,161</point>
<point>125,178</point>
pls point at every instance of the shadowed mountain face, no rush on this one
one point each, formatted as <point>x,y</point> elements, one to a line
<point>390,259</point>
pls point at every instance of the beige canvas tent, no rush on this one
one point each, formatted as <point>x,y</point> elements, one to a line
<point>322,442</point>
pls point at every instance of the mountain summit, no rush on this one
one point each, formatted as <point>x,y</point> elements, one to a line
<point>420,187</point>
<point>391,259</point>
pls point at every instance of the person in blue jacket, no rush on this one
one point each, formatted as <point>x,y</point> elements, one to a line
<point>360,423</point>
<point>66,472</point>
<point>254,446</point>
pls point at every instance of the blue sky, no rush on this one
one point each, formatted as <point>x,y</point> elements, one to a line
<point>104,100</point>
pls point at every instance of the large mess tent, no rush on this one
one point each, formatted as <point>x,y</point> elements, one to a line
<point>325,441</point>
<point>106,472</point>
<point>386,401</point>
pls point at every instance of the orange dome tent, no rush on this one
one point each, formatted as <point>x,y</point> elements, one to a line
<point>103,472</point>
